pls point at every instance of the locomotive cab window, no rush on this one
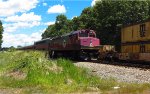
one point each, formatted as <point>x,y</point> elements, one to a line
<point>83,34</point>
<point>91,34</point>
<point>142,30</point>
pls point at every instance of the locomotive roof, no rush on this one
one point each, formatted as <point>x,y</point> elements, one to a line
<point>43,40</point>
<point>75,32</point>
<point>67,34</point>
<point>71,33</point>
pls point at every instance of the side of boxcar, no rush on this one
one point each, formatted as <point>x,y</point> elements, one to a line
<point>135,42</point>
<point>136,32</point>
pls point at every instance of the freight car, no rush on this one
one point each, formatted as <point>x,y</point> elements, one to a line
<point>135,42</point>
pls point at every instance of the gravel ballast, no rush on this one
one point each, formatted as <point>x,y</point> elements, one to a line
<point>121,73</point>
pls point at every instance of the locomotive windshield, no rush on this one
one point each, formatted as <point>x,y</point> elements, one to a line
<point>83,34</point>
<point>91,34</point>
<point>87,34</point>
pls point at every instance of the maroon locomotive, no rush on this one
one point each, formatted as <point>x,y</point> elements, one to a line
<point>75,44</point>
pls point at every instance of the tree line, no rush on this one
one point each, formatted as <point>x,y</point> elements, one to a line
<point>1,32</point>
<point>106,17</point>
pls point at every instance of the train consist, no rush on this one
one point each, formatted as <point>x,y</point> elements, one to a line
<point>79,44</point>
<point>135,44</point>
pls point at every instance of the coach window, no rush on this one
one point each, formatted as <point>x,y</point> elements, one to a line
<point>142,30</point>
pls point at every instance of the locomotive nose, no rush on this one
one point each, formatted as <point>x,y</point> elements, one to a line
<point>89,42</point>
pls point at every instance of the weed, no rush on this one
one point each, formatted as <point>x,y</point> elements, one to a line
<point>32,72</point>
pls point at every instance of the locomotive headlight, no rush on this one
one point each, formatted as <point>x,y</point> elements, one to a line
<point>91,43</point>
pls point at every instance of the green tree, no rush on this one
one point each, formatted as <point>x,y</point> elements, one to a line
<point>1,32</point>
<point>11,49</point>
<point>87,19</point>
<point>110,15</point>
<point>50,32</point>
<point>62,25</point>
<point>76,23</point>
<point>60,21</point>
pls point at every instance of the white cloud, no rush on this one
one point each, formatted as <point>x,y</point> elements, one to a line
<point>18,25</point>
<point>24,18</point>
<point>49,23</point>
<point>94,1</point>
<point>9,10</point>
<point>20,39</point>
<point>44,4</point>
<point>9,27</point>
<point>57,9</point>
<point>10,7</point>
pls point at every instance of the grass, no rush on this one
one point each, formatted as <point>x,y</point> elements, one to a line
<point>31,72</point>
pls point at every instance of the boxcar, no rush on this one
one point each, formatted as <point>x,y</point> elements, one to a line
<point>135,41</point>
<point>136,32</point>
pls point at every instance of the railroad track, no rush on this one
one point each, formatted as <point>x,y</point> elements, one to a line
<point>121,71</point>
<point>140,65</point>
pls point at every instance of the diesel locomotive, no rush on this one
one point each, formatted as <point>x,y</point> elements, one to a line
<point>77,44</point>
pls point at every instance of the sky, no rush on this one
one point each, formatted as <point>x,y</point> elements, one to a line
<point>25,20</point>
